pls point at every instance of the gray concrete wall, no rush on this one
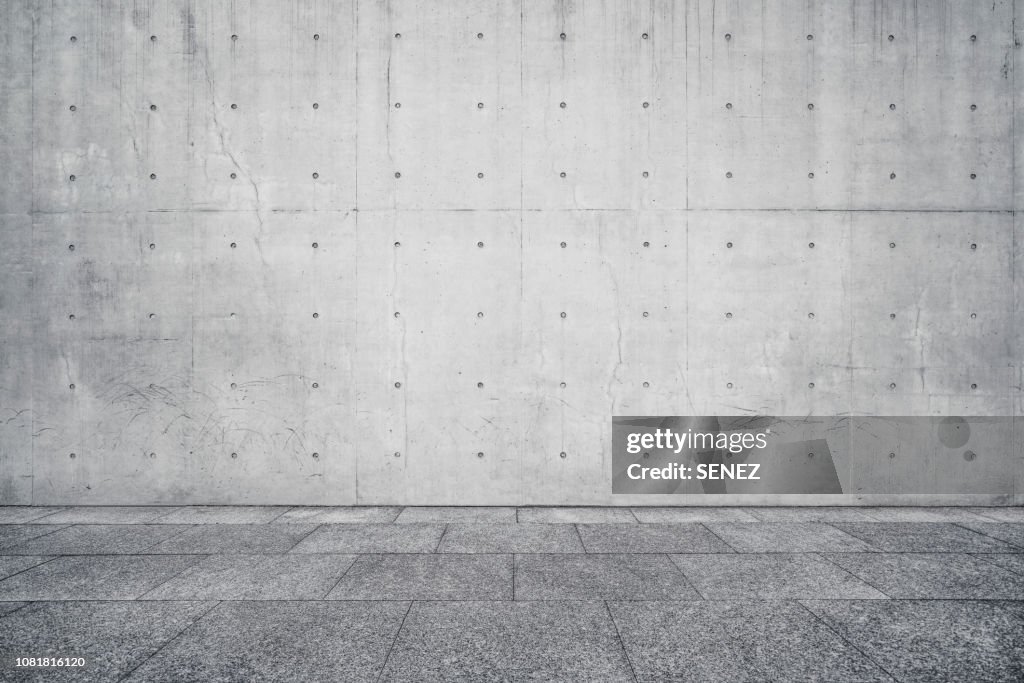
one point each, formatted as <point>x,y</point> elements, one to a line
<point>275,316</point>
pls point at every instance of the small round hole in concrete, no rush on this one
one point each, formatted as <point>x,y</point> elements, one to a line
<point>892,316</point>
<point>480,245</point>
<point>72,178</point>
<point>974,316</point>
<point>973,246</point>
<point>71,247</point>
<point>892,245</point>
<point>892,456</point>
<point>316,245</point>
<point>397,314</point>
<point>315,316</point>
<point>562,314</point>
<point>562,455</point>
<point>480,454</point>
<point>970,455</point>
<point>397,454</point>
<point>646,104</point>
<point>728,174</point>
<point>810,245</point>
<point>480,36</point>
<point>891,37</point>
<point>152,107</point>
<point>728,315</point>
<point>646,385</point>
<point>974,386</point>
<point>644,36</point>
<point>152,245</point>
<point>398,385</point>
<point>646,314</point>
<point>479,105</point>
<point>316,105</point>
<point>480,314</point>
<point>234,37</point>
<point>71,455</point>
<point>316,36</point>
<point>728,36</point>
<point>562,385</point>
<point>892,386</point>
<point>728,105</point>
<point>479,385</point>
<point>73,108</point>
<point>974,38</point>
<point>728,385</point>
<point>562,174</point>
<point>811,175</point>
<point>810,316</point>
<point>810,36</point>
<point>397,174</point>
<point>562,36</point>
<point>234,175</point>
<point>647,244</point>
<point>234,245</point>
<point>646,174</point>
<point>74,39</point>
<point>973,176</point>
<point>152,176</point>
<point>398,105</point>
<point>315,176</point>
<point>810,105</point>
<point>562,105</point>
<point>479,175</point>
<point>810,385</point>
<point>315,385</point>
<point>398,36</point>
<point>892,176</point>
<point>974,107</point>
<point>728,245</point>
<point>234,106</point>
<point>564,245</point>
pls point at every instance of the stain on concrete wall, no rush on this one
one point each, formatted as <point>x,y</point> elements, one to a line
<point>421,252</point>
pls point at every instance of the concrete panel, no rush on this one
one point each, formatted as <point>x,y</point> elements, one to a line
<point>324,253</point>
<point>17,30</point>
<point>620,141</point>
<point>440,105</point>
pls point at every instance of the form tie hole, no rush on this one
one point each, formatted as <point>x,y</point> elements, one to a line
<point>562,455</point>
<point>480,454</point>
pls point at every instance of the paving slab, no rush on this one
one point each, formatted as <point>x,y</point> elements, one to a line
<point>922,537</point>
<point>678,515</point>
<point>921,514</point>
<point>1012,533</point>
<point>280,641</point>
<point>650,538</point>
<point>933,640</point>
<point>113,637</point>
<point>464,515</point>
<point>14,564</point>
<point>94,577</point>
<point>771,576</point>
<point>129,514</point>
<point>340,515</point>
<point>810,514</point>
<point>1000,514</point>
<point>577,515</point>
<point>778,537</point>
<point>223,514</point>
<point>427,577</point>
<point>8,607</point>
<point>600,577</point>
<point>98,539</point>
<point>507,641</point>
<point>1011,562</point>
<point>235,538</point>
<point>946,576</point>
<point>728,641</point>
<point>256,577</point>
<point>12,535</point>
<point>512,538</point>
<point>20,514</point>
<point>372,538</point>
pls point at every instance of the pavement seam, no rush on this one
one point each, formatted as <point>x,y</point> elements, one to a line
<point>304,537</point>
<point>580,536</point>
<point>343,575</point>
<point>170,640</point>
<point>394,642</point>
<point>845,640</point>
<point>622,643</point>
<point>55,557</point>
<point>174,576</point>
<point>672,561</point>
<point>982,533</point>
<point>823,556</point>
<point>712,532</point>
<point>437,548</point>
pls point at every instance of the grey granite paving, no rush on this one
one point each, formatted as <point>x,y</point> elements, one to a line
<point>999,514</point>
<point>484,515</point>
<point>1012,533</point>
<point>234,538</point>
<point>12,535</point>
<point>508,641</point>
<point>94,577</point>
<point>340,515</point>
<point>771,576</point>
<point>650,538</point>
<point>427,577</point>
<point>777,537</point>
<point>255,577</point>
<point>112,637</point>
<point>98,539</point>
<point>809,514</point>
<point>933,640</point>
<point>206,593</point>
<point>920,514</point>
<point>944,576</point>
<point>923,537</point>
<point>21,514</point>
<point>600,577</point>
<point>280,641</point>
<point>219,514</point>
<point>107,515</point>
<point>511,538</point>
<point>11,565</point>
<point>736,641</point>
<point>692,514</point>
<point>371,538</point>
<point>1014,563</point>
<point>549,515</point>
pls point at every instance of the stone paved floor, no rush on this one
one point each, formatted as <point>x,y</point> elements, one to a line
<point>500,594</point>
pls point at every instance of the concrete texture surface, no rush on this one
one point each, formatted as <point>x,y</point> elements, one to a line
<point>391,253</point>
<point>361,601</point>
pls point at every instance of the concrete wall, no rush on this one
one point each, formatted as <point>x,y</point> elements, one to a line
<point>279,276</point>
